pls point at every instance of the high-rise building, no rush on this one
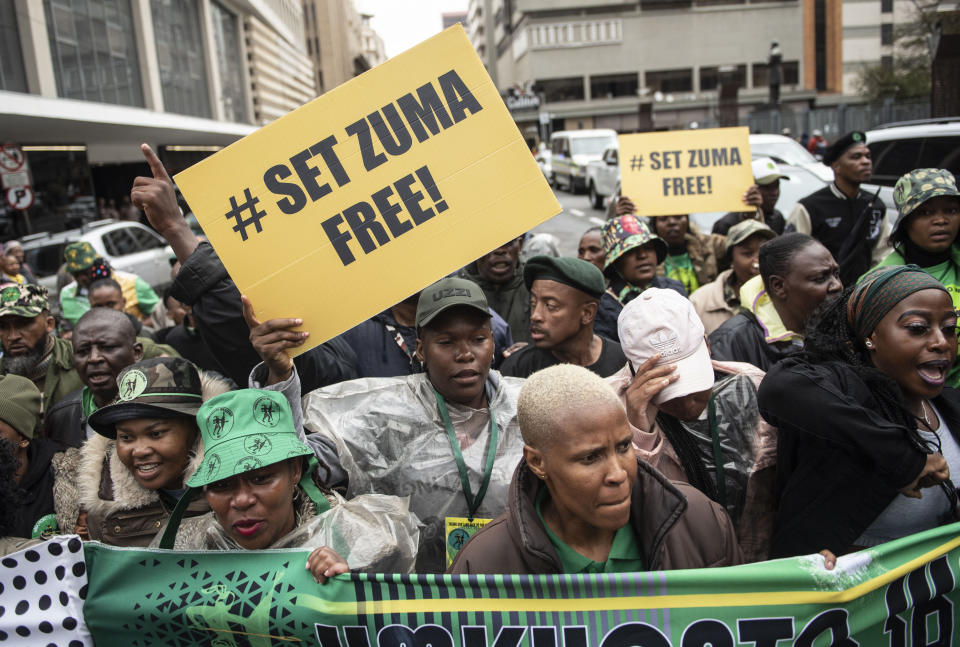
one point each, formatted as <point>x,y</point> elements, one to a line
<point>340,40</point>
<point>453,17</point>
<point>653,63</point>
<point>82,84</point>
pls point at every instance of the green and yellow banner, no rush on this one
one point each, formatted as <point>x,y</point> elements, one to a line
<point>901,593</point>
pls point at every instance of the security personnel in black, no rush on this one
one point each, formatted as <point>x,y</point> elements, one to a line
<point>849,222</point>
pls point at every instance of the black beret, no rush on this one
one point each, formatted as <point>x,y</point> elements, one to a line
<point>574,272</point>
<point>840,146</point>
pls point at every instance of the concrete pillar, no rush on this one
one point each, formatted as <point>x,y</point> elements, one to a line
<point>147,55</point>
<point>210,58</point>
<point>35,46</point>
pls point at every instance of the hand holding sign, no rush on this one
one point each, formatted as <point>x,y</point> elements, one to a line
<point>272,339</point>
<point>155,195</point>
<point>686,171</point>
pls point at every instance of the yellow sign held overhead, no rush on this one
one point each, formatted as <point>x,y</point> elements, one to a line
<point>686,171</point>
<point>371,192</point>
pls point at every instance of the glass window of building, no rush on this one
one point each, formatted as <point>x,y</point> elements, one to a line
<point>226,36</point>
<point>568,89</point>
<point>180,56</point>
<point>791,74</point>
<point>93,50</point>
<point>710,77</point>
<point>12,76</point>
<point>670,80</point>
<point>613,85</point>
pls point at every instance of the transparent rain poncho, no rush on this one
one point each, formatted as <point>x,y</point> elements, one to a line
<point>391,440</point>
<point>373,533</point>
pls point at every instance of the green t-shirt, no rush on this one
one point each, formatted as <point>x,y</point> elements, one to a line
<point>680,267</point>
<point>948,273</point>
<point>624,554</point>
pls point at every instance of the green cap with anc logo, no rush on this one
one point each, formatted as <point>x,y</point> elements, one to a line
<point>918,186</point>
<point>242,431</point>
<point>163,387</point>
<point>25,300</point>
<point>447,293</point>
<point>79,256</point>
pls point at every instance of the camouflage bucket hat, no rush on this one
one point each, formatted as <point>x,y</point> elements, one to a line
<point>918,186</point>
<point>79,256</point>
<point>623,233</point>
<point>23,300</point>
<point>164,387</point>
<point>242,431</point>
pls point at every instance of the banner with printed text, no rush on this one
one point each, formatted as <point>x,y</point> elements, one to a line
<point>372,191</point>
<point>901,593</point>
<point>686,171</point>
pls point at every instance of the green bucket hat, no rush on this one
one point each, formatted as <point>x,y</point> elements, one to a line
<point>26,300</point>
<point>79,256</point>
<point>242,431</point>
<point>163,387</point>
<point>623,233</point>
<point>918,186</point>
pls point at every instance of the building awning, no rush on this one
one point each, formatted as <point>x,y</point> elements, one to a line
<point>110,132</point>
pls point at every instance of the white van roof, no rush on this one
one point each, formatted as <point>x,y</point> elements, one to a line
<point>596,132</point>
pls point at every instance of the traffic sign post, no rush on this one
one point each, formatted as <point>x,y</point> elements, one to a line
<point>15,181</point>
<point>20,198</point>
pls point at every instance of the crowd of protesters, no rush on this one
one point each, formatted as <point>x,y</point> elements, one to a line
<point>670,399</point>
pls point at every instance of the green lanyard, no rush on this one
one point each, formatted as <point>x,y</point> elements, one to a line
<point>717,455</point>
<point>473,502</point>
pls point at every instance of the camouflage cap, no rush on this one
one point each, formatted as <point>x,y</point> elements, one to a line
<point>744,229</point>
<point>623,233</point>
<point>918,186</point>
<point>79,256</point>
<point>245,430</point>
<point>24,300</point>
<point>163,387</point>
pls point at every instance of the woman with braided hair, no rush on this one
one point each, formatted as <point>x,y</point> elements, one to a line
<point>863,417</point>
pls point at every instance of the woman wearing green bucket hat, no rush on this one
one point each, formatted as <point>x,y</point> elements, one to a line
<point>925,232</point>
<point>122,483</point>
<point>262,485</point>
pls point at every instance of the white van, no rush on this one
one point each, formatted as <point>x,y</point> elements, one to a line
<point>572,150</point>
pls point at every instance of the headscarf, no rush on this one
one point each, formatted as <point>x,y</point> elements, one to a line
<point>880,290</point>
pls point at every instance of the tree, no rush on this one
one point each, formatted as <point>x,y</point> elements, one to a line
<point>907,76</point>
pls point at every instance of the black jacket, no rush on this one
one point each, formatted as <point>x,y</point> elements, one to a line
<point>64,423</point>
<point>839,462</point>
<point>203,283</point>
<point>741,339</point>
<point>36,487</point>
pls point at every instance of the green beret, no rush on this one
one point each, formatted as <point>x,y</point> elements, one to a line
<point>574,272</point>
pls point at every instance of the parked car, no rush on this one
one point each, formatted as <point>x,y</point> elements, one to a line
<point>897,149</point>
<point>573,150</point>
<point>128,246</point>
<point>786,151</point>
<point>603,176</point>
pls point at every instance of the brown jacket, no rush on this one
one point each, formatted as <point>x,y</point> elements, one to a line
<point>119,511</point>
<point>711,304</point>
<point>676,525</point>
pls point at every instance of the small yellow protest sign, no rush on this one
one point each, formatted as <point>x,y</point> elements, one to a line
<point>371,192</point>
<point>686,171</point>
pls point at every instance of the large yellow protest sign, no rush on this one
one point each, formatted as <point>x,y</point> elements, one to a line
<point>372,191</point>
<point>686,171</point>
